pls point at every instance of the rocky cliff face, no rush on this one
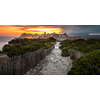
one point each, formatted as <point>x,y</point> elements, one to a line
<point>3,57</point>
<point>77,54</point>
<point>19,65</point>
<point>52,64</point>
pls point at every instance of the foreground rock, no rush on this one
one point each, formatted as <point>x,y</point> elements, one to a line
<point>3,57</point>
<point>53,64</point>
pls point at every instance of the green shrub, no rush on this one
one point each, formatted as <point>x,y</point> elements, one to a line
<point>91,49</point>
<point>65,52</point>
<point>98,65</point>
<point>1,51</point>
<point>72,57</point>
<point>21,46</point>
<point>86,66</point>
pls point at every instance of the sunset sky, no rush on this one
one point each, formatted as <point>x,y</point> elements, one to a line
<point>32,29</point>
<point>16,30</point>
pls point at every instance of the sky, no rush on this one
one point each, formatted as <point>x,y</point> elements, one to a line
<point>16,30</point>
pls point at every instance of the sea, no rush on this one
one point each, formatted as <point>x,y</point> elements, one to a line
<point>87,36</point>
<point>4,40</point>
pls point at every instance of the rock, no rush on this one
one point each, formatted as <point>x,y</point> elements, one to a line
<point>30,69</point>
<point>33,73</point>
<point>53,64</point>
<point>38,67</point>
<point>28,73</point>
<point>35,70</point>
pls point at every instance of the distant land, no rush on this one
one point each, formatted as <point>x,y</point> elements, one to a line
<point>85,35</point>
<point>4,39</point>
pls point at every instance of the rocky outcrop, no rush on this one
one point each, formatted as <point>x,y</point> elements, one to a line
<point>53,64</point>
<point>3,57</point>
<point>19,65</point>
<point>77,54</point>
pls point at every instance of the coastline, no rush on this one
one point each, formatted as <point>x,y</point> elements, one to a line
<point>2,44</point>
<point>4,40</point>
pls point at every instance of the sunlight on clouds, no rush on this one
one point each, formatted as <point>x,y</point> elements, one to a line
<point>94,33</point>
<point>41,31</point>
<point>32,29</point>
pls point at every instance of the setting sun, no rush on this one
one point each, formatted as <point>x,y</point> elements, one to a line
<point>32,29</point>
<point>39,30</point>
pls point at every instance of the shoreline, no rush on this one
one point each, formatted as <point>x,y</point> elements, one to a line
<point>2,44</point>
<point>4,40</point>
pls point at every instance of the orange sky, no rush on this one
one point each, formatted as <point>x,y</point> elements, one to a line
<point>15,30</point>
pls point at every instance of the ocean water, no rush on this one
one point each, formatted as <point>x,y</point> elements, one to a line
<point>4,40</point>
<point>85,35</point>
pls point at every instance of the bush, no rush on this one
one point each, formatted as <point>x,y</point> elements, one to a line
<point>91,49</point>
<point>98,65</point>
<point>1,51</point>
<point>72,57</point>
<point>86,66</point>
<point>21,46</point>
<point>65,52</point>
<point>53,39</point>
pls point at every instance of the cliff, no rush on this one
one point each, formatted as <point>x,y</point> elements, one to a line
<point>77,54</point>
<point>19,65</point>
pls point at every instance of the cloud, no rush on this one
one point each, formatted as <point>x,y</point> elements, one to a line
<point>38,28</point>
<point>81,29</point>
<point>69,29</point>
<point>94,33</point>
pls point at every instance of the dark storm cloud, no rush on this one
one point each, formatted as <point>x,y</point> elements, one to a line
<point>81,29</point>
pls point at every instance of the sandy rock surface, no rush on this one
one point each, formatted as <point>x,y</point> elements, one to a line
<point>53,64</point>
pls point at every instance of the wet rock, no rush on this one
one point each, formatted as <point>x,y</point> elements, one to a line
<point>53,64</point>
<point>28,73</point>
<point>30,69</point>
<point>38,67</point>
<point>33,73</point>
<point>35,70</point>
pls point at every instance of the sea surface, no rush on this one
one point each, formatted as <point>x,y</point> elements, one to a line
<point>86,35</point>
<point>4,40</point>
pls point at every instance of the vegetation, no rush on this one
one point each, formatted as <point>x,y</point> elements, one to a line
<point>65,53</point>
<point>1,51</point>
<point>85,65</point>
<point>72,57</point>
<point>21,46</point>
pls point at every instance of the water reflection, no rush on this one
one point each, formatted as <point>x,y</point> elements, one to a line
<point>4,40</point>
<point>2,44</point>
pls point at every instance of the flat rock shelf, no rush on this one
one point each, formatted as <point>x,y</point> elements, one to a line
<point>53,64</point>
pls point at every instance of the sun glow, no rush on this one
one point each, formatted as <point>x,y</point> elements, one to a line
<point>42,30</point>
<point>30,29</point>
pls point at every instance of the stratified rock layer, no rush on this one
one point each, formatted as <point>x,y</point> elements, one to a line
<point>53,64</point>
